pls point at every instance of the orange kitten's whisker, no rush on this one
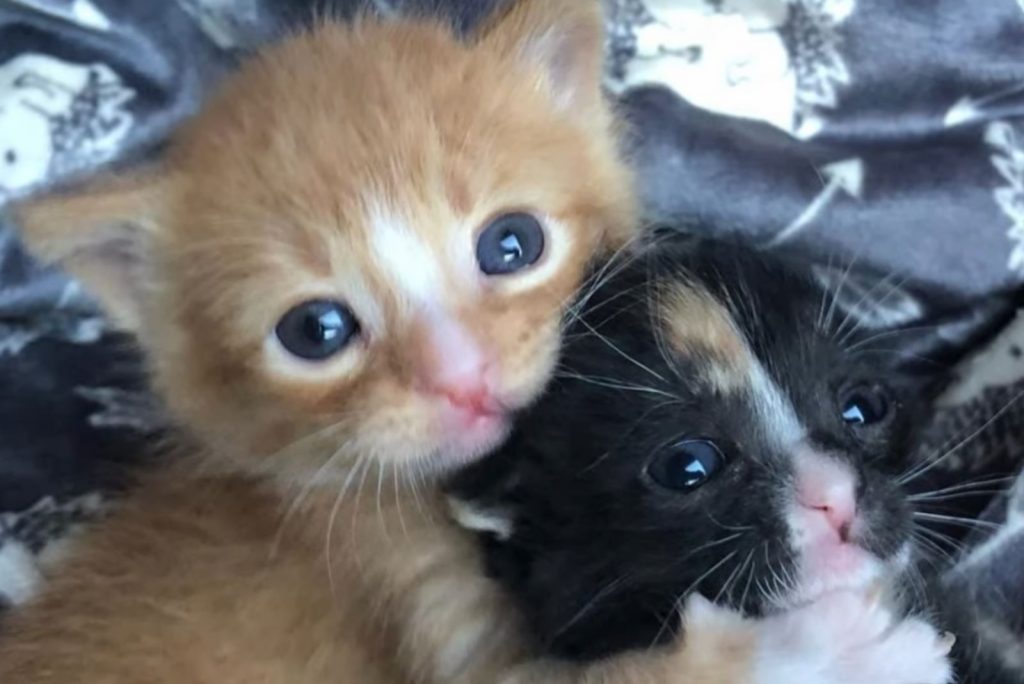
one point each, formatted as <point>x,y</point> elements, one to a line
<point>398,503</point>
<point>620,352</point>
<point>613,265</point>
<point>299,498</point>
<point>362,464</point>
<point>380,510</point>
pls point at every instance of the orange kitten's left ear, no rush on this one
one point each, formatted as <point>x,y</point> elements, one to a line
<point>563,38</point>
<point>99,233</point>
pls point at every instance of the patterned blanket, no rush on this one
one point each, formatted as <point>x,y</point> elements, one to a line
<point>884,139</point>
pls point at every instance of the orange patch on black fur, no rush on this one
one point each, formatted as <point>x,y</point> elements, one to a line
<point>697,325</point>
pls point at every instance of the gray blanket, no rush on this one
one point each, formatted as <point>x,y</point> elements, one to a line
<point>884,136</point>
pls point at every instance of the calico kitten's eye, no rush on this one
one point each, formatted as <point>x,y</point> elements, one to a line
<point>510,243</point>
<point>864,404</point>
<point>686,465</point>
<point>317,329</point>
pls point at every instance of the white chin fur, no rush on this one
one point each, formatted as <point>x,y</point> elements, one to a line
<point>871,571</point>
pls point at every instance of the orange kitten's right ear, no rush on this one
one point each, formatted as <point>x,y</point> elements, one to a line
<point>564,38</point>
<point>99,233</point>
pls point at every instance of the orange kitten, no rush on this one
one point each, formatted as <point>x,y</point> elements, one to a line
<point>348,272</point>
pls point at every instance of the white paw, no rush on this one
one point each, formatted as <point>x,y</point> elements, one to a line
<point>851,638</point>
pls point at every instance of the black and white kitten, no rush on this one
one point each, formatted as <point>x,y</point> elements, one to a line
<point>718,426</point>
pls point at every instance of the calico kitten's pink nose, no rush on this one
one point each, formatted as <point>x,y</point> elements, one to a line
<point>827,488</point>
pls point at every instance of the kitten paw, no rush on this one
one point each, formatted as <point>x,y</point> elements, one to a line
<point>851,638</point>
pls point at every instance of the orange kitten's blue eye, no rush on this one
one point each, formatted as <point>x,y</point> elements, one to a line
<point>317,329</point>
<point>510,243</point>
<point>686,465</point>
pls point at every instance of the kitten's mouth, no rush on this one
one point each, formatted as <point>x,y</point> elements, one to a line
<point>837,567</point>
<point>826,567</point>
<point>471,431</point>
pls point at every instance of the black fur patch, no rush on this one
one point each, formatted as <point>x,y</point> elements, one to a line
<point>601,556</point>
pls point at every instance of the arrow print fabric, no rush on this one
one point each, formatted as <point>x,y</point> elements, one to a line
<point>845,134</point>
<point>885,139</point>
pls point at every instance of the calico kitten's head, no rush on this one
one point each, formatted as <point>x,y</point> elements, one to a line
<point>717,425</point>
<point>363,244</point>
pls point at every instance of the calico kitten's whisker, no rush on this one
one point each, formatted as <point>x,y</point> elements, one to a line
<point>610,383</point>
<point>966,489</point>
<point>937,556</point>
<point>886,334</point>
<point>694,586</point>
<point>901,354</point>
<point>987,493</point>
<point>762,590</point>
<point>929,465</point>
<point>734,576</point>
<point>957,520</point>
<point>958,547</point>
<point>711,544</point>
<point>918,586</point>
<point>841,335</point>
<point>750,577</point>
<point>819,320</point>
<point>741,528</point>
<point>829,317</point>
<point>605,591</point>
<point>778,584</point>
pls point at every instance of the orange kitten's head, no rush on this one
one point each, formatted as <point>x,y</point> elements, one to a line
<point>361,248</point>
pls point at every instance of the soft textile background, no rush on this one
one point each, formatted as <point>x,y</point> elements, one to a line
<point>884,135</point>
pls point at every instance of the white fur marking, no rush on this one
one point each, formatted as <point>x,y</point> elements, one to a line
<point>778,416</point>
<point>409,262</point>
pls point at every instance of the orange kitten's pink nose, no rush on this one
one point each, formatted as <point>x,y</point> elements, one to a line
<point>826,489</point>
<point>456,367</point>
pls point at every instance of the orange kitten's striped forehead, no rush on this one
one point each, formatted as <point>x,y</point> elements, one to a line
<point>370,236</point>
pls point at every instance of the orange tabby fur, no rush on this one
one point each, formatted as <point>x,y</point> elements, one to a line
<point>300,543</point>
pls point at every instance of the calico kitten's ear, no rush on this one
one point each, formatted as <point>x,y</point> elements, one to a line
<point>563,38</point>
<point>98,233</point>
